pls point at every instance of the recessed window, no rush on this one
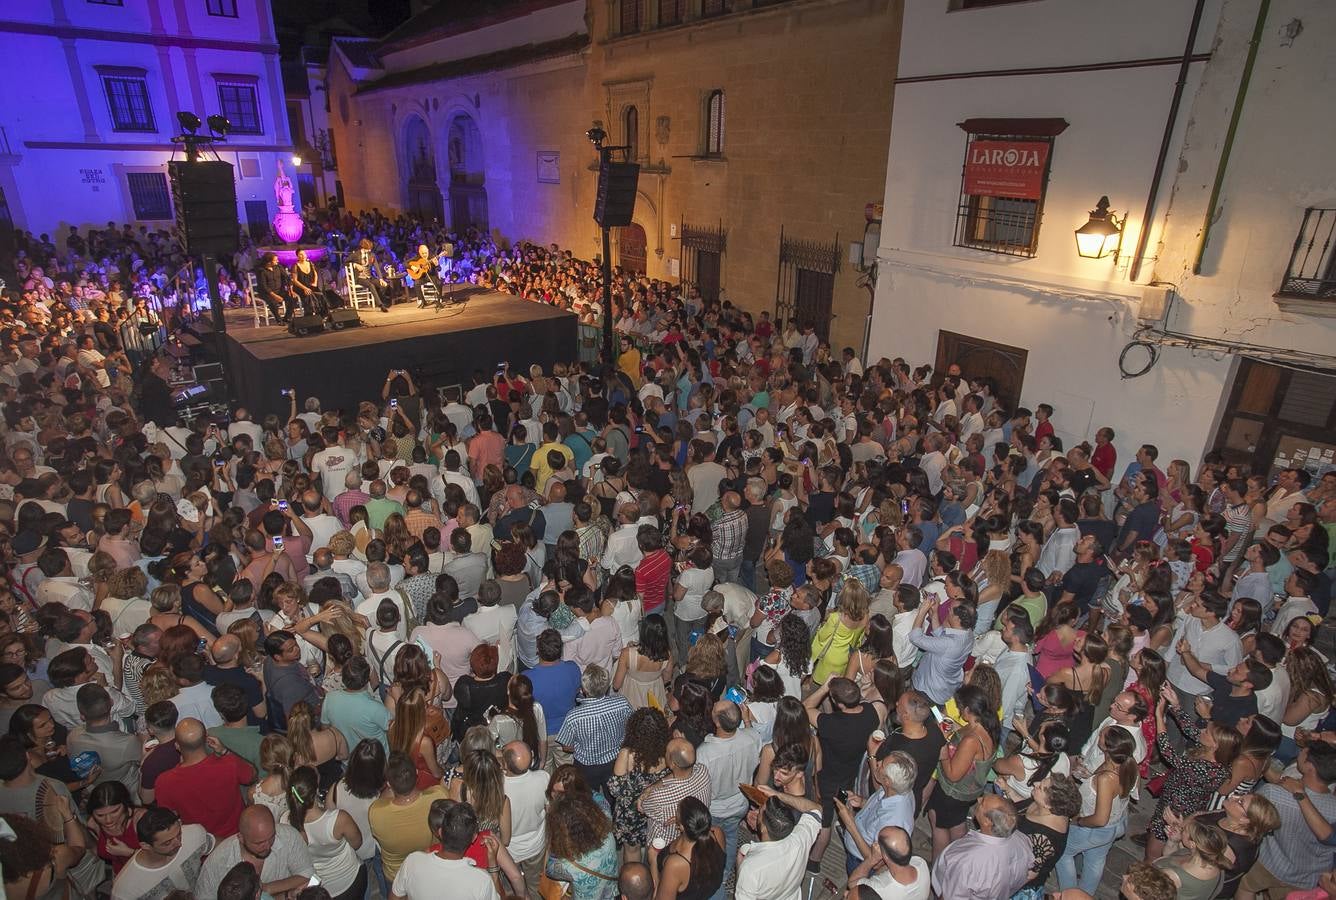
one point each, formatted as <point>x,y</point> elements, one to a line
<point>631,122</point>
<point>107,2</point>
<point>240,104</point>
<point>672,12</point>
<point>225,8</point>
<point>632,16</point>
<point>149,195</point>
<point>714,124</point>
<point>1003,184</point>
<point>127,99</point>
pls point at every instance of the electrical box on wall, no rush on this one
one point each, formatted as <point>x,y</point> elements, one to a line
<point>1154,306</point>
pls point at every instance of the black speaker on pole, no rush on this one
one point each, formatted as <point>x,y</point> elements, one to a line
<point>616,200</point>
<point>204,197</point>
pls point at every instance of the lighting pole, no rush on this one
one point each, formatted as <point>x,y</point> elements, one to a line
<point>596,137</point>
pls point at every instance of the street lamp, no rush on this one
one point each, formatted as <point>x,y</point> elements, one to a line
<point>1102,234</point>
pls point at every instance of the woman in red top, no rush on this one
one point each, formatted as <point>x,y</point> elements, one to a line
<point>112,818</point>
<point>654,572</point>
<point>1150,669</point>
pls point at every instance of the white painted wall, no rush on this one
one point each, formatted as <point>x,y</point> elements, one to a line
<point>1074,315</point>
<point>81,181</point>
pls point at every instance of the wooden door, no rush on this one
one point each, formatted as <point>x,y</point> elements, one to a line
<point>979,358</point>
<point>813,298</point>
<point>631,249</point>
<point>707,274</point>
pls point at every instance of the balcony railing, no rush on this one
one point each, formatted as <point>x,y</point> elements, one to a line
<point>1311,273</point>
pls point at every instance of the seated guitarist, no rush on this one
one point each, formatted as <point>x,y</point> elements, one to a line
<point>422,269</point>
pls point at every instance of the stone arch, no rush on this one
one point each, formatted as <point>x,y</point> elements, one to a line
<point>646,215</point>
<point>417,165</point>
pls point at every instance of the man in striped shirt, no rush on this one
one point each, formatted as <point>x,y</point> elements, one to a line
<point>594,729</point>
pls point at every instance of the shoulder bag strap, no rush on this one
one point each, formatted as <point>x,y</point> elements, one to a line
<point>594,872</point>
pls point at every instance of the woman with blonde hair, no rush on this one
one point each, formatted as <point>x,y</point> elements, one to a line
<point>101,566</point>
<point>992,576</point>
<point>248,632</point>
<point>166,603</point>
<point>276,763</point>
<point>157,683</point>
<point>835,640</point>
<point>315,745</point>
<point>1198,869</point>
<point>707,663</point>
<point>125,601</point>
<point>480,782</point>
<point>408,735</point>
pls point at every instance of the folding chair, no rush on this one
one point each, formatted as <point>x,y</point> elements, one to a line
<point>358,295</point>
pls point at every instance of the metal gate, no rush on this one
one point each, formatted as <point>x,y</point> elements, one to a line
<point>702,258</point>
<point>805,289</point>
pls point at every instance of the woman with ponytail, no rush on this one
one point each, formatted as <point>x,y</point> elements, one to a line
<point>276,763</point>
<point>692,866</point>
<point>1103,816</point>
<point>521,720</point>
<point>1041,754</point>
<point>331,834</point>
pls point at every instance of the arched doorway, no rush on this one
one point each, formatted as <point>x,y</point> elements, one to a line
<point>424,196</point>
<point>631,249</point>
<point>468,194</point>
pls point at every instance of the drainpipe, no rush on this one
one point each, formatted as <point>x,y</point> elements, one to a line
<point>1262,11</point>
<point>1144,237</point>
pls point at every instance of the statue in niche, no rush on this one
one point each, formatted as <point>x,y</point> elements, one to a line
<point>283,189</point>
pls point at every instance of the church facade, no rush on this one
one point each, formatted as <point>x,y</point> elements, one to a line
<point>760,128</point>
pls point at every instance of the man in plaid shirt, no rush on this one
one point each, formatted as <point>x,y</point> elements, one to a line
<point>730,536</point>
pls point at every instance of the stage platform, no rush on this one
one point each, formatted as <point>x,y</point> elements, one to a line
<point>438,348</point>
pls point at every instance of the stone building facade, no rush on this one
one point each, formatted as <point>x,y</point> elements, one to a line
<point>750,120</point>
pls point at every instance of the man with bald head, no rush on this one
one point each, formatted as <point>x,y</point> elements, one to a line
<point>226,669</point>
<point>205,786</point>
<point>517,510</point>
<point>276,851</point>
<point>892,869</point>
<point>315,513</point>
<point>685,778</point>
<point>623,546</point>
<point>322,566</point>
<point>526,787</point>
<point>634,882</point>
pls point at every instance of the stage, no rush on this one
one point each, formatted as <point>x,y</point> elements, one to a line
<point>437,348</point>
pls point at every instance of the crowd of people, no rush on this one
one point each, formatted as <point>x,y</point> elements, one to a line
<point>686,624</point>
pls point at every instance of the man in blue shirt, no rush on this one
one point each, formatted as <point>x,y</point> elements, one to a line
<point>353,711</point>
<point>941,668</point>
<point>555,681</point>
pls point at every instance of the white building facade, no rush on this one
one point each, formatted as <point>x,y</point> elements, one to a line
<point>90,103</point>
<point>1001,148</point>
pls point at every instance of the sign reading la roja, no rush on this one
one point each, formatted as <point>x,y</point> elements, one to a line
<point>1006,169</point>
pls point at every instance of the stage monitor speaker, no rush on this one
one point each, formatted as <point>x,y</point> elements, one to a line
<point>306,324</point>
<point>204,198</point>
<point>616,201</point>
<point>344,318</point>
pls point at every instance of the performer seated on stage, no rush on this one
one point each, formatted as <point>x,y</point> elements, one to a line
<point>366,274</point>
<point>269,285</point>
<point>422,269</point>
<point>308,288</point>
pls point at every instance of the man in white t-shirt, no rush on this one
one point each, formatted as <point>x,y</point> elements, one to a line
<point>775,867</point>
<point>893,870</point>
<point>323,526</point>
<point>169,857</point>
<point>333,463</point>
<point>425,874</point>
<point>527,790</point>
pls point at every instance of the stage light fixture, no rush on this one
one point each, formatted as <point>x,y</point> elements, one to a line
<point>188,121</point>
<point>596,136</point>
<point>219,125</point>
